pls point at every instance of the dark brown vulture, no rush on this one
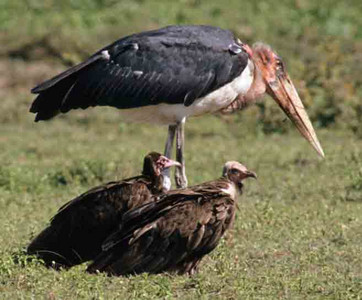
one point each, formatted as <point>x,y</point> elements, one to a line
<point>76,232</point>
<point>174,233</point>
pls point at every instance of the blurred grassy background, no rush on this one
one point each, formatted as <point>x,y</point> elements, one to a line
<point>321,41</point>
<point>298,231</point>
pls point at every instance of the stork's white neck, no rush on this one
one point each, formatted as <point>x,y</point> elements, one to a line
<point>257,88</point>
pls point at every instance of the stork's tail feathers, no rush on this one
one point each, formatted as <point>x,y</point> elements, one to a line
<point>48,103</point>
<point>54,92</point>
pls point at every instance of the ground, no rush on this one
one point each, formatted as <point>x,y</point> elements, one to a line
<point>298,228</point>
<point>298,232</point>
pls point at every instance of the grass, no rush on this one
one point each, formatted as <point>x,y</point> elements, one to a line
<point>298,229</point>
<point>297,234</point>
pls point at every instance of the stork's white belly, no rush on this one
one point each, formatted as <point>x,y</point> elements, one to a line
<point>171,113</point>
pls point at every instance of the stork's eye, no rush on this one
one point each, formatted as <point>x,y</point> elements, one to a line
<point>280,64</point>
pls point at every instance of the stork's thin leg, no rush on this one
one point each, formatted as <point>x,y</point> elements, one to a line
<point>168,154</point>
<point>180,174</point>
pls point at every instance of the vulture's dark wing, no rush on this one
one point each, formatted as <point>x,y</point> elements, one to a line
<point>114,192</point>
<point>77,231</point>
<point>178,233</point>
<point>140,216</point>
<point>176,64</point>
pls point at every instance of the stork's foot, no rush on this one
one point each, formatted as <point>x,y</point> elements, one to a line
<point>180,178</point>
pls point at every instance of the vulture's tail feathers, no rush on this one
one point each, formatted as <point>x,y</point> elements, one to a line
<point>48,247</point>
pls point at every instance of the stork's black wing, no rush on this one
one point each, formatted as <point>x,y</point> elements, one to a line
<point>176,64</point>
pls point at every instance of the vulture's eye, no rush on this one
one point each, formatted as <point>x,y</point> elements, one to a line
<point>234,171</point>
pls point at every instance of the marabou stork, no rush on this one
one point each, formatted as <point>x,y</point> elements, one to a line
<point>76,232</point>
<point>166,75</point>
<point>176,232</point>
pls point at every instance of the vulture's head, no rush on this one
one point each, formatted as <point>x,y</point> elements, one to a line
<point>154,163</point>
<point>236,173</point>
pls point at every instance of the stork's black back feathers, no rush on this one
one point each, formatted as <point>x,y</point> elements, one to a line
<point>176,64</point>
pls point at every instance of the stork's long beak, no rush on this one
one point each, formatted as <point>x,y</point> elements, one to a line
<point>284,93</point>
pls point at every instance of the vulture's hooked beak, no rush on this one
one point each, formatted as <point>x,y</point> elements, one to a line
<point>169,163</point>
<point>251,174</point>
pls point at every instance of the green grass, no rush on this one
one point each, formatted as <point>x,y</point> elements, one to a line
<point>298,228</point>
<point>298,233</point>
